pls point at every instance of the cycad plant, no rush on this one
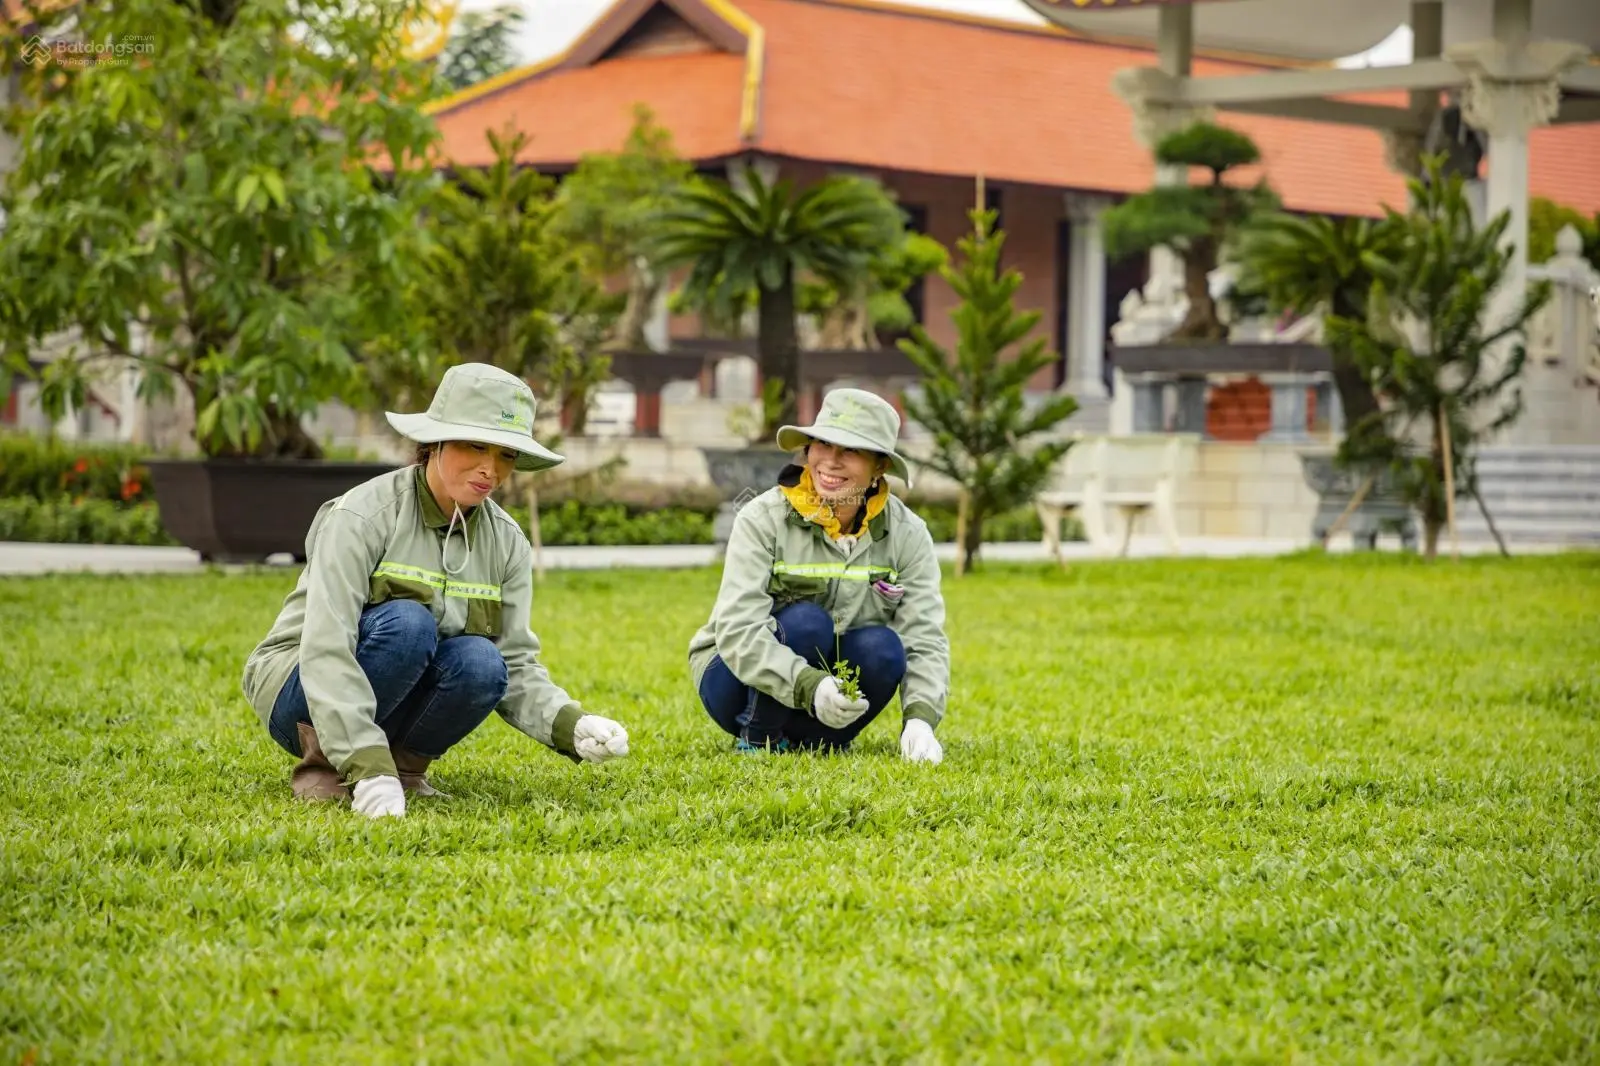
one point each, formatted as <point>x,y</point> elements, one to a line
<point>752,234</point>
<point>1314,264</point>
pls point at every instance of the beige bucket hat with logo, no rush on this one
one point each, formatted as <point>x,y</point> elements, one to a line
<point>483,404</point>
<point>853,418</point>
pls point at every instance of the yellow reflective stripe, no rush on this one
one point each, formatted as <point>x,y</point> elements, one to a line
<point>841,571</point>
<point>472,592</point>
<point>410,573</point>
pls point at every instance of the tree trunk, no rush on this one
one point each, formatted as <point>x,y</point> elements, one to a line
<point>972,537</point>
<point>778,351</point>
<point>963,519</point>
<point>285,438</point>
<point>643,287</point>
<point>1431,527</point>
<point>1355,393</point>
<point>1201,322</point>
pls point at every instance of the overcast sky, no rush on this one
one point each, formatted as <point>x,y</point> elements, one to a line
<point>551,25</point>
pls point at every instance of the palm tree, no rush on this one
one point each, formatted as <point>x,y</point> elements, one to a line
<point>1308,264</point>
<point>753,235</point>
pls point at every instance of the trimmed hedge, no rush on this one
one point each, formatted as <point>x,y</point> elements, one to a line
<point>80,522</point>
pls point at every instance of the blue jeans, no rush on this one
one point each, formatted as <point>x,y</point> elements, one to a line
<point>430,692</point>
<point>807,630</point>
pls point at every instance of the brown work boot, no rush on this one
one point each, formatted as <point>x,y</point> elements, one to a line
<point>313,777</point>
<point>412,768</point>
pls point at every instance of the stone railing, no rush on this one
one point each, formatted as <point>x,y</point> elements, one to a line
<point>1163,387</point>
<point>1566,332</point>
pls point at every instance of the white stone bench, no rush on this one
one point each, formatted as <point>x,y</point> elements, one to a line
<point>1130,475</point>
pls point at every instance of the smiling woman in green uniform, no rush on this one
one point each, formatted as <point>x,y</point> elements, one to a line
<point>409,623</point>
<point>828,565</point>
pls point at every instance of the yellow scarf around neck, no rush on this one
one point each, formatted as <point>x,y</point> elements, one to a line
<point>802,495</point>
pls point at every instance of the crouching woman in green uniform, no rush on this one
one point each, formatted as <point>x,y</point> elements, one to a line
<point>409,623</point>
<point>828,565</point>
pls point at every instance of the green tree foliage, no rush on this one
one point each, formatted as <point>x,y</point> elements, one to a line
<point>234,215</point>
<point>482,44</point>
<point>609,204</point>
<point>1447,374</point>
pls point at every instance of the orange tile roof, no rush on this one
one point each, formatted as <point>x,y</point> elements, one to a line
<point>867,85</point>
<point>696,96</point>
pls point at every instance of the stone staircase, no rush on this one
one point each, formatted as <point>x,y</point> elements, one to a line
<point>1539,495</point>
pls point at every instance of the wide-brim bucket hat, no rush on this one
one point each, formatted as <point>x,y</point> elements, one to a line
<point>853,418</point>
<point>485,405</point>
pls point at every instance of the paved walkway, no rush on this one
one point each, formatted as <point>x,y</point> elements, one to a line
<point>16,558</point>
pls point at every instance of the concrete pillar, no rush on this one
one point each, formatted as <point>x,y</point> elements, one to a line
<point>1512,89</point>
<point>1086,308</point>
<point>1289,413</point>
<point>1149,404</point>
<point>1191,414</point>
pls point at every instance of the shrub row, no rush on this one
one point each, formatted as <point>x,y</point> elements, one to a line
<point>43,468</point>
<point>66,521</point>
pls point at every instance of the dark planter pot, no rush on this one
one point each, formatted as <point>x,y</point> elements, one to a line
<point>741,474</point>
<point>1382,510</point>
<point>242,511</point>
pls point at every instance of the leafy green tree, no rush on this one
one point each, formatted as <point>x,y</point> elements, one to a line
<point>769,237</point>
<point>1446,373</point>
<point>499,285</point>
<point>609,203</point>
<point>873,300</point>
<point>234,216</point>
<point>974,404</point>
<point>1195,221</point>
<point>482,44</point>
<point>1546,219</point>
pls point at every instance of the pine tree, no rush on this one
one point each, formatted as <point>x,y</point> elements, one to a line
<point>1446,373</point>
<point>973,404</point>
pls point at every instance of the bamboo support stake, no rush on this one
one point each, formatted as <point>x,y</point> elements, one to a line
<point>1350,508</point>
<point>533,530</point>
<point>1449,489</point>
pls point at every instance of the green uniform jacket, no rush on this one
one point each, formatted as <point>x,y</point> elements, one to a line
<point>385,540</point>
<point>776,557</point>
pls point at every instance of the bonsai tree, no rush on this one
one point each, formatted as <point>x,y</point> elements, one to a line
<point>609,204</point>
<point>214,215</point>
<point>1195,221</point>
<point>1445,372</point>
<point>1306,265</point>
<point>769,237</point>
<point>973,404</point>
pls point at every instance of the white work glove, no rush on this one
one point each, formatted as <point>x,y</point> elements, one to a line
<point>598,739</point>
<point>377,797</point>
<point>832,708</point>
<point>918,744</point>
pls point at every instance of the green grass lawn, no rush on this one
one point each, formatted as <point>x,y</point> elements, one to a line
<point>1324,810</point>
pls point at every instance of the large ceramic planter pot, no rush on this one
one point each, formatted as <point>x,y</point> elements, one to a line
<point>741,474</point>
<point>1382,510</point>
<point>242,511</point>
